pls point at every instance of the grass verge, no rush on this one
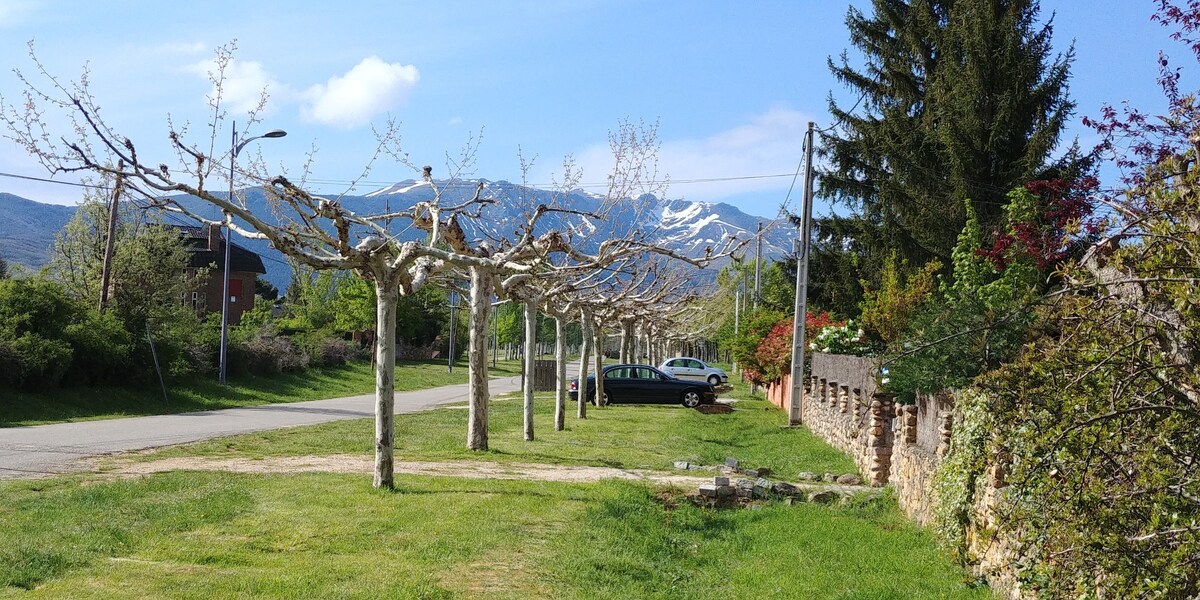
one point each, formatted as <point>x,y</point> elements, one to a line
<point>206,535</point>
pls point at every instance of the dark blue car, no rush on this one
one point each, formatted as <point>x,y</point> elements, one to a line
<point>642,384</point>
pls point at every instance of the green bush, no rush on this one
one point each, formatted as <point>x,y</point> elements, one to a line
<point>103,350</point>
<point>36,306</point>
<point>978,321</point>
<point>32,361</point>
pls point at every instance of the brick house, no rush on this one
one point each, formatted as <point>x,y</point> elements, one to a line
<point>206,248</point>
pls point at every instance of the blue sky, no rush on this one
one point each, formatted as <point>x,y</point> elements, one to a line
<point>732,84</point>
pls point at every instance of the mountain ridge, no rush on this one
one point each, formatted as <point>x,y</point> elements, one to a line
<point>684,226</point>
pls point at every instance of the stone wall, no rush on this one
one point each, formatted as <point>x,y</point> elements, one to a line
<point>841,405</point>
<point>922,440</point>
<point>901,446</point>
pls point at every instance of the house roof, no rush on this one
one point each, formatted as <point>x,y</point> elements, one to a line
<point>200,254</point>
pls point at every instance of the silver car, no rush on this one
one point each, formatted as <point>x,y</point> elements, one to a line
<point>682,367</point>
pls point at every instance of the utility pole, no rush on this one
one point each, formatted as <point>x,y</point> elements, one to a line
<point>758,267</point>
<point>802,247</point>
<point>450,352</point>
<point>737,318</point>
<point>110,243</point>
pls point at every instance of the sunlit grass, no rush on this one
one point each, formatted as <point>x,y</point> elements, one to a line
<point>628,436</point>
<point>210,535</point>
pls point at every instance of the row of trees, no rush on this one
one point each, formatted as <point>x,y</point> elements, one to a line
<point>542,268</point>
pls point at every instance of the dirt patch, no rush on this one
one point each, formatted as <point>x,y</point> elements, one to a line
<point>343,463</point>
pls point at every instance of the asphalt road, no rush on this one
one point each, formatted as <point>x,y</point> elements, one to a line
<point>45,450</point>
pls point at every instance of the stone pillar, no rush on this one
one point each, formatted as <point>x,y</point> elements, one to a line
<point>822,393</point>
<point>908,424</point>
<point>844,399</point>
<point>945,432</point>
<point>857,399</point>
<point>831,395</point>
<point>879,439</point>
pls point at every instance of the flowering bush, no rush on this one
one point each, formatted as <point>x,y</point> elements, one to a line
<point>772,356</point>
<point>847,338</point>
<point>774,353</point>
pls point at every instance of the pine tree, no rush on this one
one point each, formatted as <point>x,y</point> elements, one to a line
<point>959,100</point>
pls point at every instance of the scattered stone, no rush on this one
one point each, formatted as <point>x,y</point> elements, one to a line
<point>807,476</point>
<point>724,491</point>
<point>784,489</point>
<point>745,488</point>
<point>731,462</point>
<point>763,472</point>
<point>829,478</point>
<point>793,500</point>
<point>849,479</point>
<point>761,488</point>
<point>824,497</point>
<point>720,480</point>
<point>750,472</point>
<point>708,491</point>
<point>683,465</point>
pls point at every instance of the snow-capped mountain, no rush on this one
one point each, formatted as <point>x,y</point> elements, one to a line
<point>684,226</point>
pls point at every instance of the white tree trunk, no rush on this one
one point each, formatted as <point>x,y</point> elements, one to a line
<point>597,341</point>
<point>530,352</point>
<point>584,357</point>
<point>560,375</point>
<point>625,342</point>
<point>649,344</point>
<point>478,393</point>
<point>385,382</point>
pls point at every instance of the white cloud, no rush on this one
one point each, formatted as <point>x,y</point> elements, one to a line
<point>243,85</point>
<point>372,87</point>
<point>13,12</point>
<point>455,121</point>
<point>771,143</point>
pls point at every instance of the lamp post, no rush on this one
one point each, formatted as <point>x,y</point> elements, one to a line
<point>234,149</point>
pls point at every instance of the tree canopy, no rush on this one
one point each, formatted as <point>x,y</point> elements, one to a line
<point>959,101</point>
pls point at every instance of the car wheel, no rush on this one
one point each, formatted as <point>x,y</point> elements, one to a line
<point>691,398</point>
<point>607,398</point>
<point>714,380</point>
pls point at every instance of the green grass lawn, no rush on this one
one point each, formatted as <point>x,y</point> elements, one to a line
<point>218,535</point>
<point>204,393</point>
<point>323,535</point>
<point>625,436</point>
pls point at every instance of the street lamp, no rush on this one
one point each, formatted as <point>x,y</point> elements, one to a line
<point>234,149</point>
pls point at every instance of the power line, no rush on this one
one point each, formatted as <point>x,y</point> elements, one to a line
<point>44,180</point>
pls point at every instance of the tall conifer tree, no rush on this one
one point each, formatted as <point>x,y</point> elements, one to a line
<point>957,100</point>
